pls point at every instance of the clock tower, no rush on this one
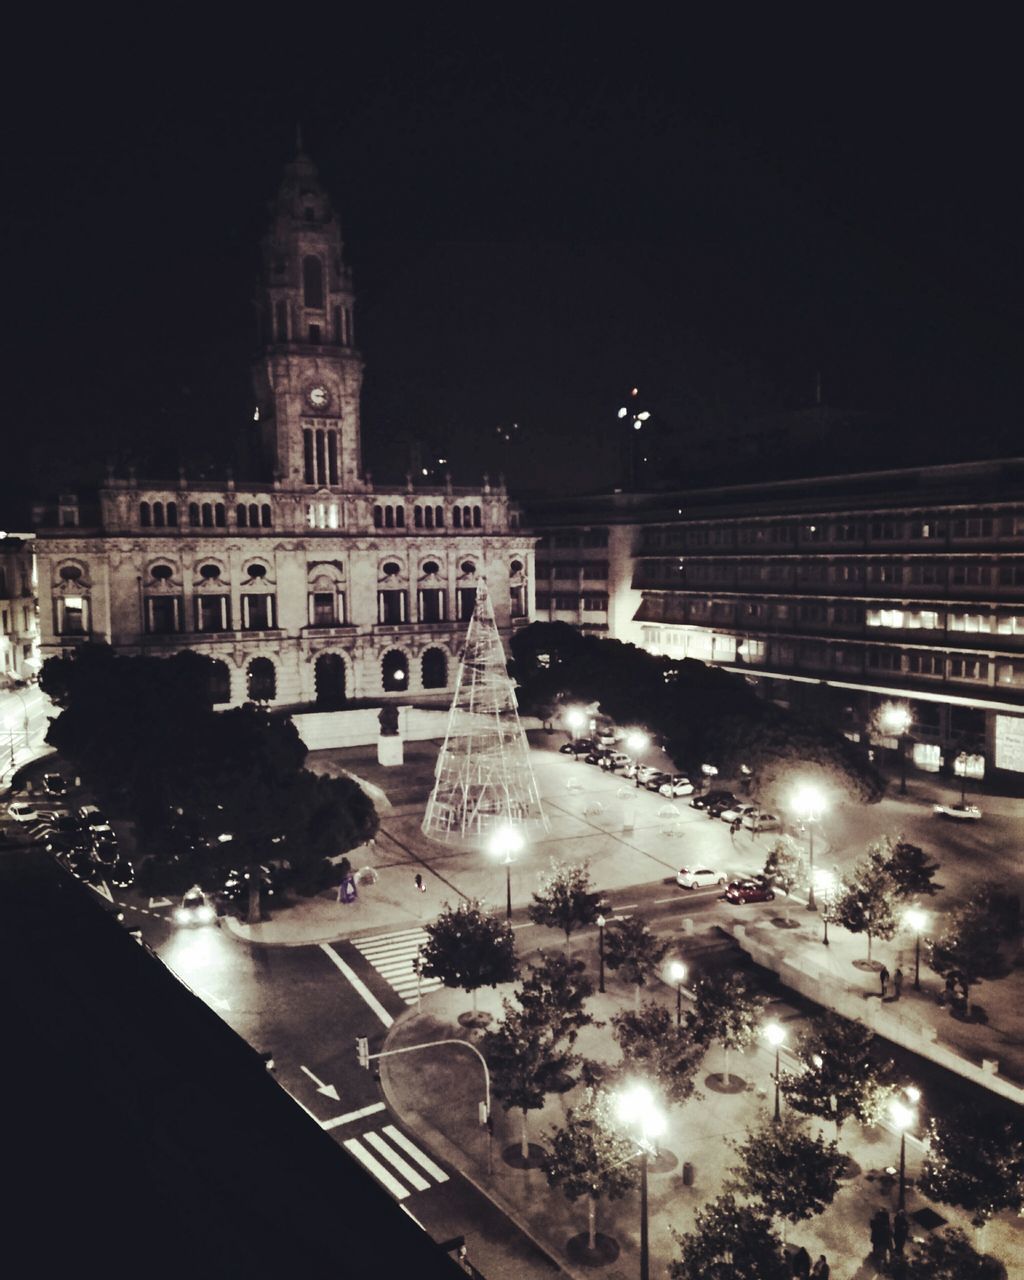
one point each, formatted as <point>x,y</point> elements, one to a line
<point>308,373</point>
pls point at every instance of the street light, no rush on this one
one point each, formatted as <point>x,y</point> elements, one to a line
<point>775,1035</point>
<point>677,972</point>
<point>896,719</point>
<point>827,880</point>
<point>600,953</point>
<point>575,718</point>
<point>636,1107</point>
<point>636,742</point>
<point>507,840</point>
<point>917,919</point>
<point>809,803</point>
<point>903,1117</point>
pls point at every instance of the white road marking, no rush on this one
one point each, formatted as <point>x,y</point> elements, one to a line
<point>393,956</point>
<point>337,1121</point>
<point>395,1160</point>
<point>159,902</point>
<point>434,1170</point>
<point>371,1162</point>
<point>359,986</point>
<point>103,890</point>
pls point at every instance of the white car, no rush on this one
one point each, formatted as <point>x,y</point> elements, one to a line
<point>964,812</point>
<point>23,811</point>
<point>195,908</point>
<point>737,812</point>
<point>758,820</point>
<point>677,786</point>
<point>700,877</point>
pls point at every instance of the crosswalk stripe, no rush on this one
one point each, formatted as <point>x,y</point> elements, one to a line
<point>425,1161</point>
<point>393,956</point>
<point>371,1162</point>
<point>348,1118</point>
<point>419,1183</point>
<point>391,937</point>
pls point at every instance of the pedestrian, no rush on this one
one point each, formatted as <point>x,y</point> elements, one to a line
<point>897,984</point>
<point>821,1270</point>
<point>900,1231</point>
<point>735,826</point>
<point>883,978</point>
<point>801,1263</point>
<point>884,1235</point>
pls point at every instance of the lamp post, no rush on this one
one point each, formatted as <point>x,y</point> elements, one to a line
<point>677,972</point>
<point>575,719</point>
<point>636,742</point>
<point>637,1108</point>
<point>507,840</point>
<point>902,1117</point>
<point>809,804</point>
<point>896,719</point>
<point>775,1035</point>
<point>828,884</point>
<point>600,953</point>
<point>917,920</point>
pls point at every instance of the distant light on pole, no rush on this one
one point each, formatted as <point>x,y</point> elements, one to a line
<point>896,719</point>
<point>775,1035</point>
<point>636,742</point>
<point>902,1118</point>
<point>677,972</point>
<point>636,1107</point>
<point>600,953</point>
<point>917,920</point>
<point>809,804</point>
<point>506,841</point>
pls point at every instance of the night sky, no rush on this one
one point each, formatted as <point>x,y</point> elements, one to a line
<point>537,218</point>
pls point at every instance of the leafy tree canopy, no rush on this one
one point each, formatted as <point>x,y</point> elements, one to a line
<point>910,869</point>
<point>785,866</point>
<point>840,1076</point>
<point>866,903</point>
<point>632,948</point>
<point>554,994</point>
<point>968,945</point>
<point>566,899</point>
<point>526,1064</point>
<point>727,1009</point>
<point>730,1241</point>
<point>651,1041</point>
<point>950,1256</point>
<point>591,1154</point>
<point>793,1175</point>
<point>975,1161</point>
<point>469,949</point>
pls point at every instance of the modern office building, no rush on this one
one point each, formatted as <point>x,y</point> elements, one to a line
<point>838,593</point>
<point>312,583</point>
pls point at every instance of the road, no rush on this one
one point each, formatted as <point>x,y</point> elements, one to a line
<point>24,716</point>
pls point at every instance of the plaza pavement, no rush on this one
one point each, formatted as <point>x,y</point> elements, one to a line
<point>437,1092</point>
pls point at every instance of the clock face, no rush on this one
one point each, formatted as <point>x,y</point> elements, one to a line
<point>319,397</point>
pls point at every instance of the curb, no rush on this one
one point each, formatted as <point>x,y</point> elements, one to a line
<point>432,1137</point>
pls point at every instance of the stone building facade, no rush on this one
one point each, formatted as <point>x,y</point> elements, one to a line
<point>19,634</point>
<point>317,585</point>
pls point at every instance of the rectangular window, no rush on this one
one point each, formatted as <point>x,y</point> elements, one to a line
<point>332,457</point>
<point>754,610</point>
<point>567,540</point>
<point>968,669</point>
<point>884,572</point>
<point>848,573</point>
<point>322,609</point>
<point>976,527</point>
<point>72,619</point>
<point>432,605</point>
<point>567,571</point>
<point>161,615</point>
<point>751,650</point>
<point>543,568</point>
<point>883,659</point>
<point>973,622</point>
<point>927,573</point>
<point>543,600</point>
<point>969,575</point>
<point>281,320</point>
<point>595,538</point>
<point>924,664</point>
<point>595,571</point>
<point>782,612</point>
<point>846,531</point>
<point>391,607</point>
<point>1011,575</point>
<point>884,530</point>
<point>212,613</point>
<point>846,614</point>
<point>595,604</point>
<point>1010,673</point>
<point>1012,625</point>
<point>314,333</point>
<point>569,604</point>
<point>321,459</point>
<point>307,457</point>
<point>258,612</point>
<point>467,603</point>
<point>926,529</point>
<point>517,602</point>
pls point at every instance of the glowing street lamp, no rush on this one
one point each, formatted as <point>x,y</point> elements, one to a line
<point>809,804</point>
<point>636,742</point>
<point>677,972</point>
<point>775,1035</point>
<point>902,1118</point>
<point>896,719</point>
<point>918,920</point>
<point>636,1108</point>
<point>600,952</point>
<point>506,842</point>
<point>576,719</point>
<point>827,881</point>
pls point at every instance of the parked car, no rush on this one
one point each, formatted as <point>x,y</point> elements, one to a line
<point>737,812</point>
<point>709,798</point>
<point>195,909</point>
<point>578,747</point>
<point>717,807</point>
<point>81,865</point>
<point>963,812</point>
<point>739,891</point>
<point>699,877</point>
<point>122,874</point>
<point>93,816</point>
<point>67,823</point>
<point>105,852</point>
<point>676,784</point>
<point>595,755</point>
<point>23,811</point>
<point>657,780</point>
<point>757,820</point>
<point>612,760</point>
<point>55,785</point>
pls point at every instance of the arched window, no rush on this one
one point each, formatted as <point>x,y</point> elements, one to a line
<point>476,517</point>
<point>144,515</point>
<point>266,519</point>
<point>439,517</point>
<point>172,514</point>
<point>193,513</point>
<point>261,680</point>
<point>329,679</point>
<point>435,669</point>
<point>378,517</point>
<point>240,515</point>
<point>158,514</point>
<point>220,682</point>
<point>389,517</point>
<point>313,282</point>
<point>219,515</point>
<point>417,517</point>
<point>428,516</point>
<point>467,518</point>
<point>161,572</point>
<point>400,517</point>
<point>207,516</point>
<point>394,672</point>
<point>456,517</point>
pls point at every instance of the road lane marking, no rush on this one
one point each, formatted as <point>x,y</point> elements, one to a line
<point>393,955</point>
<point>368,1161</point>
<point>397,1136</point>
<point>337,1121</point>
<point>395,1160</point>
<point>358,984</point>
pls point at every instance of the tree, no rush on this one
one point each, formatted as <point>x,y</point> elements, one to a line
<point>630,945</point>
<point>651,1041</point>
<point>968,947</point>
<point>591,1156</point>
<point>793,1175</point>
<point>526,1063</point>
<point>727,1010</point>
<point>468,948</point>
<point>950,1256</point>
<point>909,867</point>
<point>839,1077</point>
<point>975,1160</point>
<point>730,1241</point>
<point>1002,907</point>
<point>866,903</point>
<point>554,994</point>
<point>785,867</point>
<point>566,899</point>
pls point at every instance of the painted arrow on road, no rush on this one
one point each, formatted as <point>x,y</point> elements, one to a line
<point>158,902</point>
<point>328,1090</point>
